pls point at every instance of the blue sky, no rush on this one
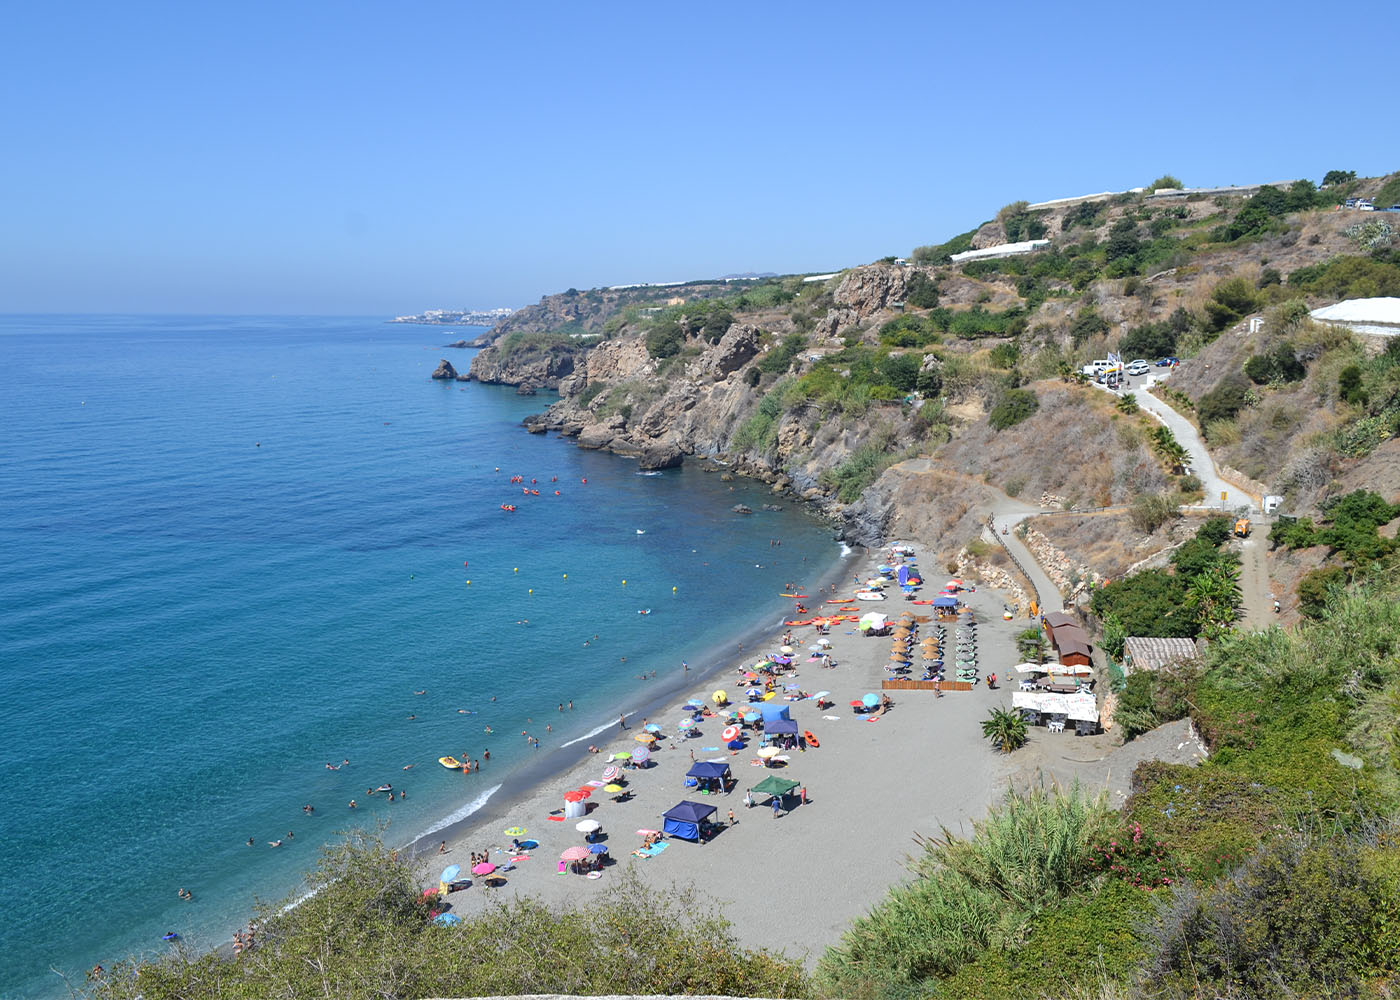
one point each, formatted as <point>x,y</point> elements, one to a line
<point>375,158</point>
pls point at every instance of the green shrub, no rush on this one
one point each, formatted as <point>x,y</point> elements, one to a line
<point>1292,920</point>
<point>921,291</point>
<point>779,359</point>
<point>1014,406</point>
<point>1005,355</point>
<point>1229,302</point>
<point>1223,402</point>
<point>942,253</point>
<point>1150,511</point>
<point>1150,340</point>
<point>1349,385</point>
<point>1317,587</point>
<point>1006,728</point>
<point>665,340</point>
<point>849,479</point>
<point>1165,181</point>
<point>1087,324</point>
<point>1152,602</point>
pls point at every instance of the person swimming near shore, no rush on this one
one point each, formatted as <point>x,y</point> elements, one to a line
<point>274,843</point>
<point>185,894</point>
<point>424,691</point>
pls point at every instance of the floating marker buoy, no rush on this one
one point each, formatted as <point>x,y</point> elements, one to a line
<point>624,583</point>
<point>532,590</point>
<point>464,562</point>
<point>469,583</point>
<point>673,590</point>
<point>517,569</point>
<point>566,576</point>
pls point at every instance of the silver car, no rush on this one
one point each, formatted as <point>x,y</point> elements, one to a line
<point>1139,367</point>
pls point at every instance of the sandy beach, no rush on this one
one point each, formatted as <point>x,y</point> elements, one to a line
<point>793,882</point>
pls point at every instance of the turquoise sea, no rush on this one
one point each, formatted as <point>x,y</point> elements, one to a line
<point>232,549</point>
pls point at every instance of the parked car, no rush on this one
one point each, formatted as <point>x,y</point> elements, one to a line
<point>1167,362</point>
<point>1138,367</point>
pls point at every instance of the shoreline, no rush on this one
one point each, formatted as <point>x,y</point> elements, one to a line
<point>528,779</point>
<point>870,789</point>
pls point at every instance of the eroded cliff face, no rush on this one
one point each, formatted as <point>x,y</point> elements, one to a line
<point>535,369</point>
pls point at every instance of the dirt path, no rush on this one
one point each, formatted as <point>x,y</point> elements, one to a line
<point>1257,611</point>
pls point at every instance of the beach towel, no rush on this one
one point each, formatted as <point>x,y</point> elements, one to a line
<point>556,819</point>
<point>644,833</point>
<point>519,857</point>
<point>595,784</point>
<point>831,718</point>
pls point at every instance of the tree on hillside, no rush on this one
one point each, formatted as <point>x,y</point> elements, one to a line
<point>1165,181</point>
<point>1338,177</point>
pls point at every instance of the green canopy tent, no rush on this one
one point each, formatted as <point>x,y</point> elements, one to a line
<point>775,786</point>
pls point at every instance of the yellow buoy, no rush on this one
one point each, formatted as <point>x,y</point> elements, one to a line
<point>532,590</point>
<point>673,590</point>
<point>566,576</point>
<point>517,569</point>
<point>469,583</point>
<point>624,583</point>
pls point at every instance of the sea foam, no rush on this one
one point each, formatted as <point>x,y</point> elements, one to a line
<point>593,732</point>
<point>460,814</point>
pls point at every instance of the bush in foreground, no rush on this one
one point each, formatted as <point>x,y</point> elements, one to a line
<point>366,934</point>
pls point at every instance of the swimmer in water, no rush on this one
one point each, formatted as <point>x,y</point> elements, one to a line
<point>424,691</point>
<point>274,843</point>
<point>407,766</point>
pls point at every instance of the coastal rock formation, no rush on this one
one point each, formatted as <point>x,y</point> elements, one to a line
<point>742,508</point>
<point>661,456</point>
<point>541,368</point>
<point>445,372</point>
<point>736,348</point>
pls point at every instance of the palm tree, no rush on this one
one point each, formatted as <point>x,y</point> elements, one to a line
<point>1005,728</point>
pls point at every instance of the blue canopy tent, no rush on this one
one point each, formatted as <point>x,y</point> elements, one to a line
<point>708,769</point>
<point>780,727</point>
<point>684,818</point>
<point>771,713</point>
<point>945,602</point>
<point>903,575</point>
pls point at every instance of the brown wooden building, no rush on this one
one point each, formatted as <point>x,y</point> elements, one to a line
<point>1069,640</point>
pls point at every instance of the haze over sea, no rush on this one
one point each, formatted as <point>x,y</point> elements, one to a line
<point>233,549</point>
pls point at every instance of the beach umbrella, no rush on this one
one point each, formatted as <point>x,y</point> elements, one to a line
<point>641,755</point>
<point>749,675</point>
<point>719,697</point>
<point>610,773</point>
<point>870,699</point>
<point>644,737</point>
<point>515,831</point>
<point>821,694</point>
<point>686,724</point>
<point>574,796</point>
<point>785,649</point>
<point>449,873</point>
<point>622,755</point>
<point>584,790</point>
<point>588,826</point>
<point>735,744</point>
<point>768,752</point>
<point>823,641</point>
<point>857,703</point>
<point>575,854</point>
<point>730,734</point>
<point>447,919</point>
<point>652,727</point>
<point>612,789</point>
<point>792,687</point>
<point>597,848</point>
<point>753,692</point>
<point>484,868</point>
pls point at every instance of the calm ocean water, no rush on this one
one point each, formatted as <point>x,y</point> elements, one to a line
<point>232,550</point>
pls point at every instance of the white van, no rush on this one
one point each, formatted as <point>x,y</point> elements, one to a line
<point>1094,368</point>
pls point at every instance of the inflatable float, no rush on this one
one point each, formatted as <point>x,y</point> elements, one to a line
<point>451,763</point>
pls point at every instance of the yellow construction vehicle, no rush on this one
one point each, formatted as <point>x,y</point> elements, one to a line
<point>1242,528</point>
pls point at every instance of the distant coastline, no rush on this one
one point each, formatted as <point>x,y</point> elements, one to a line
<point>457,317</point>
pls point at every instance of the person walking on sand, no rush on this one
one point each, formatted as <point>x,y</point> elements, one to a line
<point>442,848</point>
<point>622,722</point>
<point>732,820</point>
<point>777,806</point>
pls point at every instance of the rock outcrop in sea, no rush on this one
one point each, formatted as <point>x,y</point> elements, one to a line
<point>445,372</point>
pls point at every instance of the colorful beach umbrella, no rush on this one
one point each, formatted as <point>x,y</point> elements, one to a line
<point>610,773</point>
<point>597,848</point>
<point>870,700</point>
<point>484,868</point>
<point>575,854</point>
<point>612,789</point>
<point>622,755</point>
<point>644,737</point>
<point>719,697</point>
<point>574,796</point>
<point>730,733</point>
<point>515,831</point>
<point>785,649</point>
<point>641,755</point>
<point>449,873</point>
<point>652,727</point>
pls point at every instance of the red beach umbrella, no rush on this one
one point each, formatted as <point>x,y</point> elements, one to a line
<point>731,733</point>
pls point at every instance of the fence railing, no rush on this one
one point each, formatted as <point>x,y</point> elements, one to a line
<point>1030,580</point>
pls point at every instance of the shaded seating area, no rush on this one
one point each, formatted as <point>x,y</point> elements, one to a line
<point>710,776</point>
<point>688,820</point>
<point>1056,710</point>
